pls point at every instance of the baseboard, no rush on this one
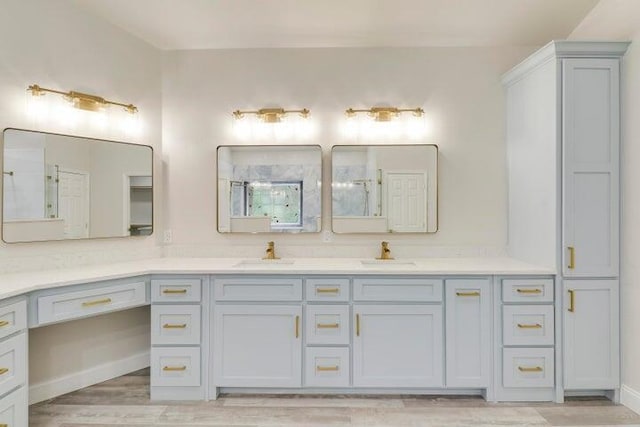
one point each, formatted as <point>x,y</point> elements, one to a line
<point>630,398</point>
<point>97,374</point>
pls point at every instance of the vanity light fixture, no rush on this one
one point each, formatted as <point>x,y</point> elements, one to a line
<point>271,115</point>
<point>82,101</point>
<point>385,114</point>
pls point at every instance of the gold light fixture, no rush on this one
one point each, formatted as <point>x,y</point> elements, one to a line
<point>82,101</point>
<point>271,115</point>
<point>385,114</point>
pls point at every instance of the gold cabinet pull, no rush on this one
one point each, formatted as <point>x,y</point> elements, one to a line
<point>572,300</point>
<point>529,291</point>
<point>297,326</point>
<point>572,257</point>
<point>174,291</point>
<point>4,371</point>
<point>96,302</point>
<point>327,290</point>
<point>530,369</point>
<point>174,368</point>
<point>327,325</point>
<point>357,325</point>
<point>174,326</point>
<point>4,425</point>
<point>3,323</point>
<point>529,326</point>
<point>327,368</point>
<point>468,294</point>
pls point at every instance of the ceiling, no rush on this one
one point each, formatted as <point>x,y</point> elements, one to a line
<point>223,24</point>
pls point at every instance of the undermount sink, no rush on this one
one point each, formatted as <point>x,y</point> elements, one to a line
<point>264,262</point>
<point>387,263</point>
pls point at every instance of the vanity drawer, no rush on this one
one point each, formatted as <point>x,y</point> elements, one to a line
<point>527,367</point>
<point>258,289</point>
<point>327,324</point>
<point>527,325</point>
<point>175,324</point>
<point>13,363</point>
<point>77,304</point>
<point>327,367</point>
<point>527,290</point>
<point>14,410</point>
<point>176,290</point>
<point>329,289</point>
<point>13,318</point>
<point>175,366</point>
<point>397,289</point>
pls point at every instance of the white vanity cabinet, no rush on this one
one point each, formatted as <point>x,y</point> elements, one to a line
<point>13,363</point>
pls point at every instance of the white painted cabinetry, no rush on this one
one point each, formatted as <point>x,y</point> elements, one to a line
<point>13,363</point>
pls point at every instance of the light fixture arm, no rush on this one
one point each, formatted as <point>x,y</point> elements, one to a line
<point>270,115</point>
<point>83,101</point>
<point>384,114</point>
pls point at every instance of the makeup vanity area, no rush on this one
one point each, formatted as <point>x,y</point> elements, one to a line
<point>535,327</point>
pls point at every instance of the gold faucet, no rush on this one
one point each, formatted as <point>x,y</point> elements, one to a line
<point>271,251</point>
<point>385,252</point>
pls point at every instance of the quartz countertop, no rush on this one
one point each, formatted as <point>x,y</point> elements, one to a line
<point>20,283</point>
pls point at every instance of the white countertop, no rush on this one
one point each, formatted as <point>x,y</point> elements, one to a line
<point>20,283</point>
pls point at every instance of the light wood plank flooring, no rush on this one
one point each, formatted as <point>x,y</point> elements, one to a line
<point>124,402</point>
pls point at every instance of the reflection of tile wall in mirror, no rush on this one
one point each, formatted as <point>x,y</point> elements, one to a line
<point>59,187</point>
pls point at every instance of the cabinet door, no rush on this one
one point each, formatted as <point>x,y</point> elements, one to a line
<point>591,334</point>
<point>468,332</point>
<point>257,346</point>
<point>591,140</point>
<point>397,346</point>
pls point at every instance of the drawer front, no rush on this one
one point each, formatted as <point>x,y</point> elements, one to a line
<point>327,367</point>
<point>413,290</point>
<point>527,325</point>
<point>71,305</point>
<point>175,324</point>
<point>330,289</point>
<point>175,367</point>
<point>14,411</point>
<point>527,290</point>
<point>527,367</point>
<point>258,289</point>
<point>13,318</point>
<point>327,324</point>
<point>13,363</point>
<point>176,290</point>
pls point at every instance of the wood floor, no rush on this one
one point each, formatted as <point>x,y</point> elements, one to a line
<point>125,401</point>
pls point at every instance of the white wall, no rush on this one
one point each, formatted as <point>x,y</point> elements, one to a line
<point>459,88</point>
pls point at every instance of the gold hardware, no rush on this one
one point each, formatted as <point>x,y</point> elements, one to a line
<point>174,326</point>
<point>10,173</point>
<point>4,371</point>
<point>384,114</point>
<point>3,323</point>
<point>327,325</point>
<point>529,326</point>
<point>4,425</point>
<point>327,368</point>
<point>174,291</point>
<point>531,369</point>
<point>174,368</point>
<point>271,251</point>
<point>327,290</point>
<point>385,252</point>
<point>96,302</point>
<point>271,115</point>
<point>572,300</point>
<point>357,325</point>
<point>572,257</point>
<point>468,294</point>
<point>82,101</point>
<point>297,326</point>
<point>529,291</point>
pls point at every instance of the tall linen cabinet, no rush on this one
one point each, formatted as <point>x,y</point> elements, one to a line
<point>563,143</point>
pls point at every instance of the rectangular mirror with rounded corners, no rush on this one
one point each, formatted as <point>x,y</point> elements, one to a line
<point>59,187</point>
<point>384,188</point>
<point>269,189</point>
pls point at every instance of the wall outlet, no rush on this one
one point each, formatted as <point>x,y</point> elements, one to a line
<point>326,236</point>
<point>168,236</point>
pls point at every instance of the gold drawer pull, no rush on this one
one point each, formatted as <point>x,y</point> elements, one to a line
<point>529,326</point>
<point>328,325</point>
<point>529,291</point>
<point>572,300</point>
<point>327,368</point>
<point>174,291</point>
<point>3,323</point>
<point>4,425</point>
<point>530,369</point>
<point>357,325</point>
<point>96,302</point>
<point>4,371</point>
<point>174,368</point>
<point>174,326</point>
<point>297,326</point>
<point>327,290</point>
<point>468,294</point>
<point>572,257</point>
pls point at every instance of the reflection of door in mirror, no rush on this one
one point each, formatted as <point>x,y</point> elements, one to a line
<point>73,202</point>
<point>138,203</point>
<point>405,207</point>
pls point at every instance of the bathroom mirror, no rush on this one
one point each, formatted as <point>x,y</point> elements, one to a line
<point>58,187</point>
<point>384,188</point>
<point>269,189</point>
